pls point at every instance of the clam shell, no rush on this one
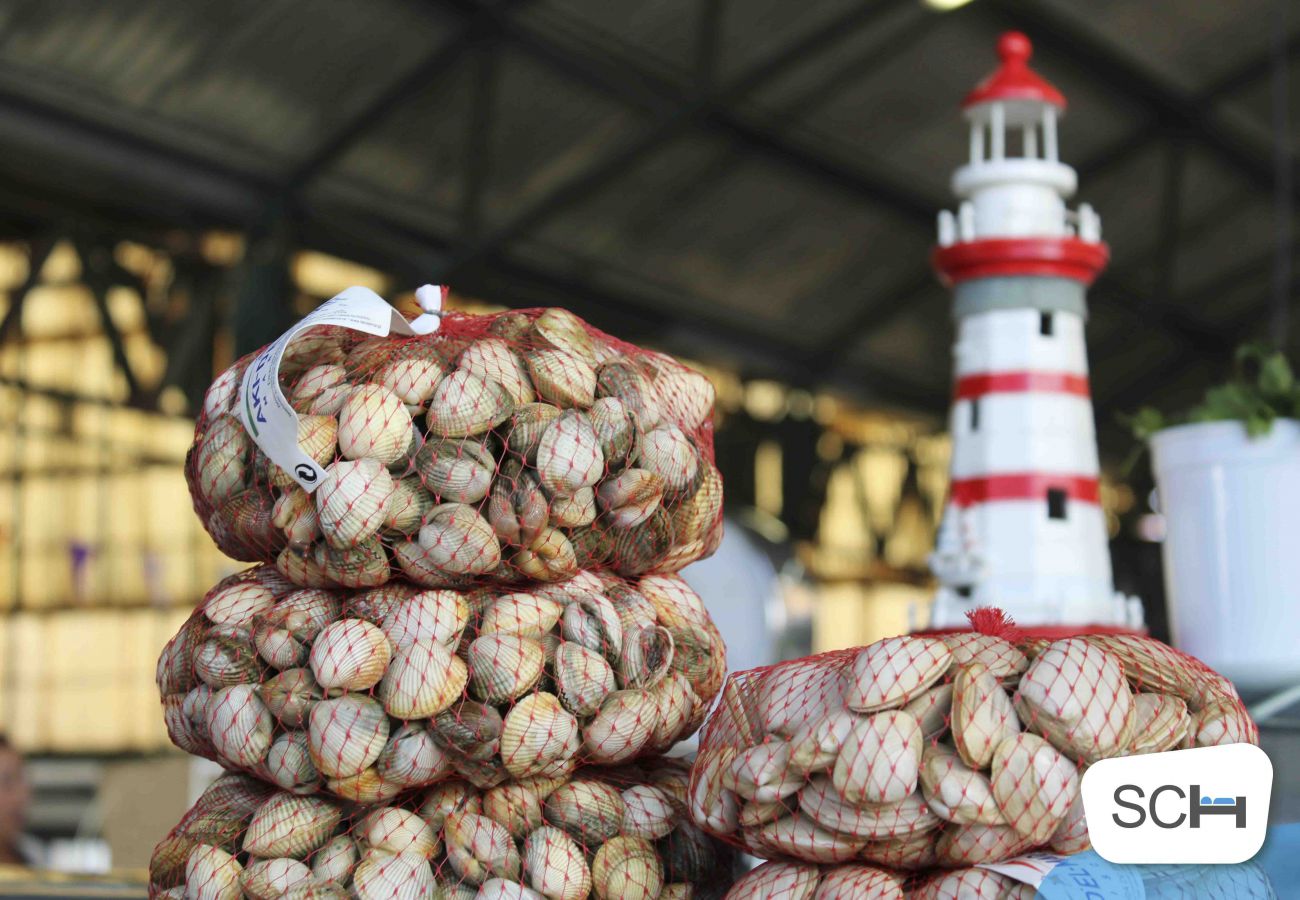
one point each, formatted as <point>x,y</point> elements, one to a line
<point>443,799</point>
<point>668,453</point>
<point>619,378</point>
<point>222,396</point>
<point>394,830</point>
<point>364,564</point>
<point>455,471</point>
<point>174,673</point>
<point>269,879</point>
<point>320,390</point>
<point>819,801</point>
<point>627,868</point>
<point>932,710</point>
<point>237,604</point>
<point>555,866</point>
<point>1071,835</point>
<point>317,344</point>
<point>346,734</point>
<point>184,731</point>
<point>685,396</point>
<point>569,457</point>
<point>239,725</point>
<point>305,613</point>
<point>514,805</point>
<point>527,425</point>
<point>675,602</point>
<point>290,695</point>
<point>422,680</point>
<point>1160,722</point>
<point>814,745</point>
<point>851,882</point>
<point>388,876</point>
<point>800,837</point>
<point>503,667</point>
<point>536,732</point>
<point>517,508</point>
<point>574,511</point>
<point>550,557</point>
<point>1000,657</point>
<point>648,812</point>
<point>212,874</point>
<point>711,804</point>
<point>377,603</point>
<point>288,764</point>
<point>350,655</point>
<point>520,613</point>
<point>299,565</point>
<point>479,848</point>
<point>464,405</point>
<point>623,728</point>
<point>982,715</point>
<point>968,884</point>
<point>1222,722</point>
<point>334,861</point>
<point>893,671</point>
<point>412,757</point>
<point>698,517</point>
<point>1034,784</point>
<point>763,772</point>
<point>221,459</point>
<point>470,729</point>
<point>794,694</point>
<point>971,845</point>
<point>439,616</point>
<point>562,330</point>
<point>290,826</point>
<point>503,889</point>
<point>459,541</point>
<point>613,426</point>
<point>630,497</point>
<point>593,622</point>
<point>226,658</point>
<point>492,360</point>
<point>789,881</point>
<point>583,679</point>
<point>411,381</point>
<point>911,851</point>
<point>1075,692</point>
<point>316,437</point>
<point>647,657</point>
<point>367,786</point>
<point>278,647</point>
<point>407,506</point>
<point>352,500</point>
<point>562,379</point>
<point>956,792</point>
<point>590,811</point>
<point>881,759</point>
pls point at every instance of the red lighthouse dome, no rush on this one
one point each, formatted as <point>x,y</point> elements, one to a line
<point>1014,80</point>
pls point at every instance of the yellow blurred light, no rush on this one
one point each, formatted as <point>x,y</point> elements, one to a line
<point>945,5</point>
<point>767,478</point>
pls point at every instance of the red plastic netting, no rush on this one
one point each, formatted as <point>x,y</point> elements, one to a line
<point>504,448</point>
<point>608,833</point>
<point>917,752</point>
<point>857,881</point>
<point>367,693</point>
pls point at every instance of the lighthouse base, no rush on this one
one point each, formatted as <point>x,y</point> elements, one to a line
<point>1117,612</point>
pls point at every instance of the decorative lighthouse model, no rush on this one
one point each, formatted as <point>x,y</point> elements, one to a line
<point>1023,529</point>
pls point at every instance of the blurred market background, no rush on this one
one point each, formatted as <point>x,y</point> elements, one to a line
<point>749,184</point>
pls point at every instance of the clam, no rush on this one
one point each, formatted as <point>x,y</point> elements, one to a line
<point>614,428</point>
<point>763,772</point>
<point>237,604</point>
<point>412,381</point>
<point>1221,722</point>
<point>685,396</point>
<point>630,497</point>
<point>999,656</point>
<point>295,514</point>
<point>367,786</point>
<point>712,805</point>
<point>669,454</point>
<point>386,876</point>
<point>1160,722</point>
<point>407,506</point>
<point>562,330</point>
<point>909,852</point>
<point>504,889</point>
<point>590,811</point>
<point>627,868</point>
<point>374,605</point>
<point>412,757</point>
<point>334,861</point>
<point>320,390</point>
<point>820,801</point>
<point>319,343</point>
<point>647,657</point>
<point>186,732</point>
<point>270,879</point>
<point>536,732</point>
<point>624,727</point>
<point>527,425</point>
<point>492,360</point>
<point>222,396</point>
<point>455,471</point>
<point>555,866</point>
<point>503,667</point>
<point>212,874</point>
<point>422,680</point>
<point>317,437</point>
<point>550,557</point>
<point>569,457</point>
<point>971,884</point>
<point>698,517</point>
<point>395,830</point>
<point>529,614</point>
<point>470,729</point>
<point>346,734</point>
<point>800,837</point>
<point>289,696</point>
<point>446,798</point>
<point>350,655</point>
<point>1075,693</point>
<point>754,813</point>
<point>221,459</point>
<point>956,792</point>
<point>971,845</point>
<point>675,603</point>
<point>815,744</point>
<point>790,881</point>
<point>621,379</point>
<point>439,616</point>
<point>299,565</point>
<point>352,500</point>
<point>583,679</point>
<point>561,378</point>
<point>517,507</point>
<point>479,848</point>
<point>174,673</point>
<point>239,725</point>
<point>516,806</point>
<point>893,671</point>
<point>360,565</point>
<point>932,710</point>
<point>457,540</point>
<point>982,715</point>
<point>593,622</point>
<point>290,826</point>
<point>648,812</point>
<point>288,764</point>
<point>1071,834</point>
<point>574,510</point>
<point>851,882</point>
<point>226,657</point>
<point>1034,784</point>
<point>880,760</point>
<point>464,405</point>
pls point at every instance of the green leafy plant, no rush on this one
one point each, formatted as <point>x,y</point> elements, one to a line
<point>1263,388</point>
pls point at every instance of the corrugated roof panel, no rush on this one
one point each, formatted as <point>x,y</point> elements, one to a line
<point>665,31</point>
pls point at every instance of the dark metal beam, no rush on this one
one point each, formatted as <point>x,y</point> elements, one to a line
<point>478,140</point>
<point>94,260</point>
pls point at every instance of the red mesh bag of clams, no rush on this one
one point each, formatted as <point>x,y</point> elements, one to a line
<point>859,881</point>
<point>502,448</point>
<point>363,694</point>
<point>943,751</point>
<point>602,833</point>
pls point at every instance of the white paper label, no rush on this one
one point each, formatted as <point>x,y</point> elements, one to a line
<point>1029,869</point>
<point>266,413</point>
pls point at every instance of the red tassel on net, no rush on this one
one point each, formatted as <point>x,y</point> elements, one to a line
<point>994,622</point>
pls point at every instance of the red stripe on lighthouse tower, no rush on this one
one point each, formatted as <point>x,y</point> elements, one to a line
<point>971,386</point>
<point>1024,486</point>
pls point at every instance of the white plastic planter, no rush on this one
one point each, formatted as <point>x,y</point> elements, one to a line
<point>1232,547</point>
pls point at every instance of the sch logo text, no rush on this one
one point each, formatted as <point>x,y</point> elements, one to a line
<point>1140,808</point>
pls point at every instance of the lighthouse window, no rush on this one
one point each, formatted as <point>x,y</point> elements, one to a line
<point>1055,503</point>
<point>975,414</point>
<point>1045,324</point>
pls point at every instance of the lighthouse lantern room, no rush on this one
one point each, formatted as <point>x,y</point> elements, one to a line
<point>1023,528</point>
